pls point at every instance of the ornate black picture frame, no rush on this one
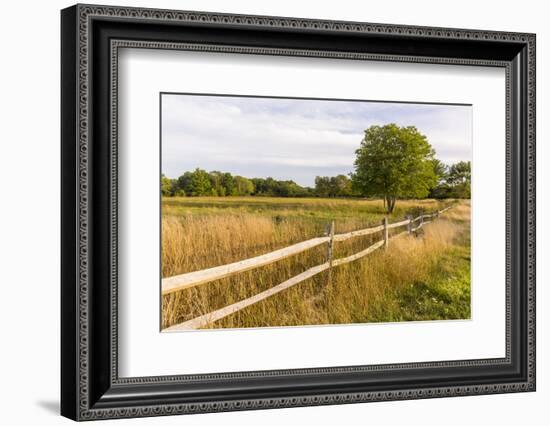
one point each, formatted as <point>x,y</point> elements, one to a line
<point>91,387</point>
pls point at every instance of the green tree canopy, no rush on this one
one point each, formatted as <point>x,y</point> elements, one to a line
<point>165,186</point>
<point>455,182</point>
<point>199,183</point>
<point>459,179</point>
<point>340,186</point>
<point>335,186</point>
<point>322,186</point>
<point>216,183</point>
<point>440,170</point>
<point>228,182</point>
<point>394,162</point>
<point>459,173</point>
<point>243,186</point>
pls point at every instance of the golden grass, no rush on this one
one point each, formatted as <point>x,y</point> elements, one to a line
<point>310,208</point>
<point>366,290</point>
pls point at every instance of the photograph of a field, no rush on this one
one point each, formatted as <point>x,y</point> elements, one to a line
<point>292,212</point>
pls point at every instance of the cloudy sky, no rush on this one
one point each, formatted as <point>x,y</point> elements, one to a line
<point>294,138</point>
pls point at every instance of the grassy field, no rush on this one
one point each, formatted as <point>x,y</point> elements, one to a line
<point>424,277</point>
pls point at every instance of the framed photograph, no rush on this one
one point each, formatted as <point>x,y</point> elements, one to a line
<point>263,212</point>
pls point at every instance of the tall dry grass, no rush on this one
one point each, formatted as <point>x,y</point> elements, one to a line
<point>362,291</point>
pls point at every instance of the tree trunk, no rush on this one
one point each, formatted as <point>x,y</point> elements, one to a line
<point>389,203</point>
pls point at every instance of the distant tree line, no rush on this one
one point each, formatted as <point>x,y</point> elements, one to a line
<point>199,183</point>
<point>452,182</point>
<point>391,162</point>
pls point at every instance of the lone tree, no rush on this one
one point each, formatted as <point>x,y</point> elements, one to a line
<point>394,162</point>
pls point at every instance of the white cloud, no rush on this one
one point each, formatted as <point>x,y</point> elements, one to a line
<point>293,139</point>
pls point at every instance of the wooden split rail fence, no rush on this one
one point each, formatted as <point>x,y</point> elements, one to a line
<point>196,278</point>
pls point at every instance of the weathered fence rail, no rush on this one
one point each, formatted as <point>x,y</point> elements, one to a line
<point>192,279</point>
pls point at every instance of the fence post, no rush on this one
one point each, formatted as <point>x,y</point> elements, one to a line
<point>421,221</point>
<point>410,224</point>
<point>386,239</point>
<point>330,249</point>
<point>330,242</point>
